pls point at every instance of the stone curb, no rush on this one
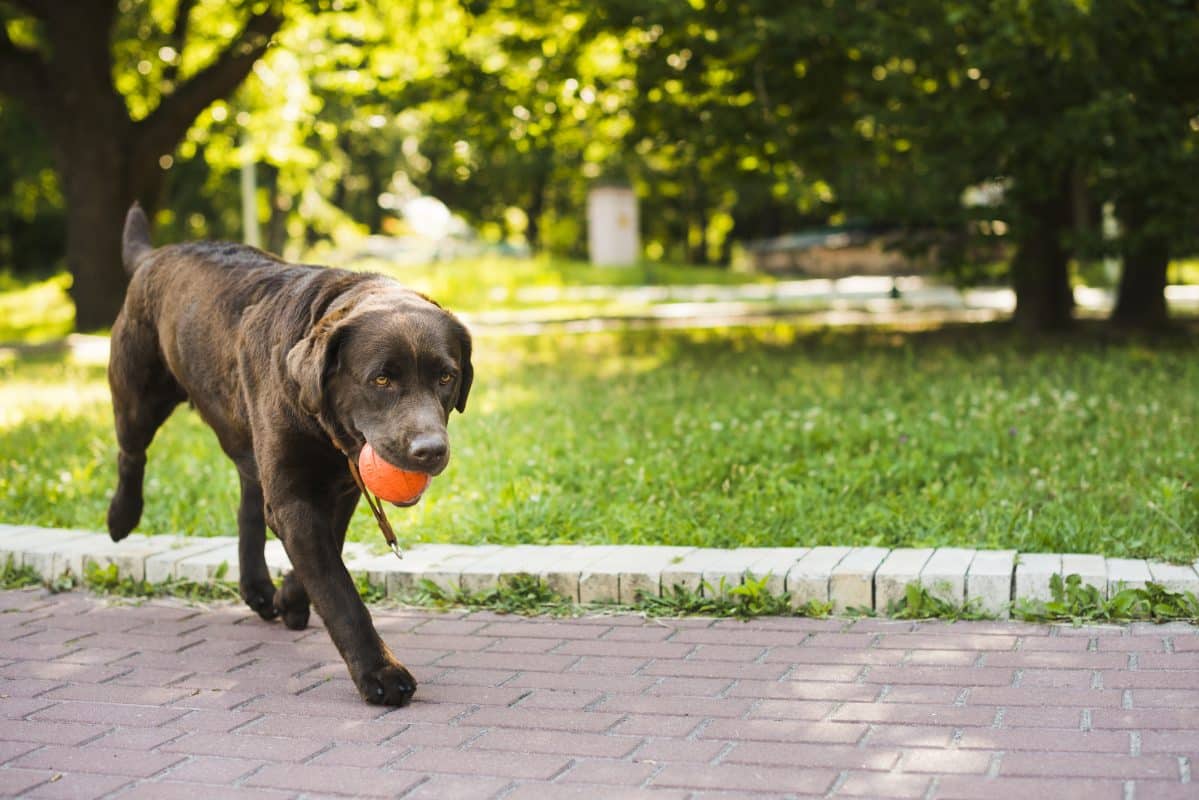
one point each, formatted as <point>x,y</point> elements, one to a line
<point>846,577</point>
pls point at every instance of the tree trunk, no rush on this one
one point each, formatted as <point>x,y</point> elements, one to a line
<point>105,159</point>
<point>96,200</point>
<point>1141,298</point>
<point>103,174</point>
<point>534,211</point>
<point>1040,267</point>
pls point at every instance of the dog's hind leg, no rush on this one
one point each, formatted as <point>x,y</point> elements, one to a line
<point>144,393</point>
<point>255,583</point>
<point>292,600</point>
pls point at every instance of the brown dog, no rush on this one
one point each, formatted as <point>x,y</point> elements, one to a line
<point>295,368</point>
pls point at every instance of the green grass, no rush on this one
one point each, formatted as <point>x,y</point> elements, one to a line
<point>39,309</point>
<point>493,283</point>
<point>35,311</point>
<point>763,436</point>
<point>1184,271</point>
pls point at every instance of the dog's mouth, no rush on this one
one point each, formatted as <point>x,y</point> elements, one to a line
<point>385,479</point>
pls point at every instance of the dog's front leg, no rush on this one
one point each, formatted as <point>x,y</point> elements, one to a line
<point>306,529</point>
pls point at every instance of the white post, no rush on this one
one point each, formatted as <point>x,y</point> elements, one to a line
<point>249,196</point>
<point>1111,229</point>
<point>613,226</point>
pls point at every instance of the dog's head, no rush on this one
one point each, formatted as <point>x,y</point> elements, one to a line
<point>386,366</point>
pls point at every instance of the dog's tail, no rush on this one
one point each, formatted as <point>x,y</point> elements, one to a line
<point>135,243</point>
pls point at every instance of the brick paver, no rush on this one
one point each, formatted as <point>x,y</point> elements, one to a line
<point>162,700</point>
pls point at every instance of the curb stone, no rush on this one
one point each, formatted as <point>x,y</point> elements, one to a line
<point>870,577</point>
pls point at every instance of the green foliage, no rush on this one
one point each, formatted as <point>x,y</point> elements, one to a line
<point>771,436</point>
<point>525,594</point>
<point>1073,601</point>
<point>369,592</point>
<point>107,580</point>
<point>516,594</point>
<point>32,218</point>
<point>36,311</point>
<point>14,577</point>
<point>744,601</point>
<point>733,120</point>
<point>920,603</point>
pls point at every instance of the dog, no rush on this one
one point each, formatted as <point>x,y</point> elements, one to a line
<point>295,368</point>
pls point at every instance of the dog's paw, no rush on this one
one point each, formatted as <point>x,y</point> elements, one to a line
<point>391,685</point>
<point>291,603</point>
<point>296,618</point>
<point>260,596</point>
<point>124,512</point>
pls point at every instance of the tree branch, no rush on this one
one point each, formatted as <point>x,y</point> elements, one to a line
<point>25,77</point>
<point>178,38</point>
<point>36,8</point>
<point>159,132</point>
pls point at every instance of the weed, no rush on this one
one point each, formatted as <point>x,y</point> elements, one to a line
<point>525,594</point>
<point>1073,601</point>
<point>516,594</point>
<point>919,603</point>
<point>369,592</point>
<point>66,582</point>
<point>744,601</point>
<point>107,580</point>
<point>14,577</point>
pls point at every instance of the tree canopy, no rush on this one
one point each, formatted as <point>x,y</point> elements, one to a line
<point>732,119</point>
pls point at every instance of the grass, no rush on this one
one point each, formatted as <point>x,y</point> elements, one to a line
<point>39,309</point>
<point>754,437</point>
<point>493,282</point>
<point>35,311</point>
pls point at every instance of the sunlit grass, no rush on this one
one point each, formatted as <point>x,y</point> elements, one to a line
<point>40,310</point>
<point>35,311</point>
<point>765,436</point>
<point>493,282</point>
<point>1184,271</point>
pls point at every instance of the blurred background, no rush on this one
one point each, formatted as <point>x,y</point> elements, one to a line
<point>1038,145</point>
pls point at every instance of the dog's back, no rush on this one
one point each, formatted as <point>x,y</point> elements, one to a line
<point>186,312</point>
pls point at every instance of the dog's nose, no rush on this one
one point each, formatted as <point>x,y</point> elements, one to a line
<point>428,449</point>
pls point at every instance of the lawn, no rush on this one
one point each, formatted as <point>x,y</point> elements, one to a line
<point>34,310</point>
<point>756,436</point>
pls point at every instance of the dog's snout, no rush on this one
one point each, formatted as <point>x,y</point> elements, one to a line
<point>429,449</point>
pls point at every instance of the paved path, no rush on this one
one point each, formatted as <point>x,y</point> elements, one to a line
<point>164,700</point>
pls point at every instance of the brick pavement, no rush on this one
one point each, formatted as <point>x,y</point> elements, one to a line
<point>164,700</point>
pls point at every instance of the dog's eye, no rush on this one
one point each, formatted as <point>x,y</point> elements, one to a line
<point>381,380</point>
<point>445,378</point>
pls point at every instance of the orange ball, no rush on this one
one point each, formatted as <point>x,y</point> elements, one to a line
<point>390,482</point>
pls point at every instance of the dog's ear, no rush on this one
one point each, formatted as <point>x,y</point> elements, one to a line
<point>311,360</point>
<point>468,370</point>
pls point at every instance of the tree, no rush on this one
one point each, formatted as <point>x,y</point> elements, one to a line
<point>56,60</point>
<point>1149,127</point>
